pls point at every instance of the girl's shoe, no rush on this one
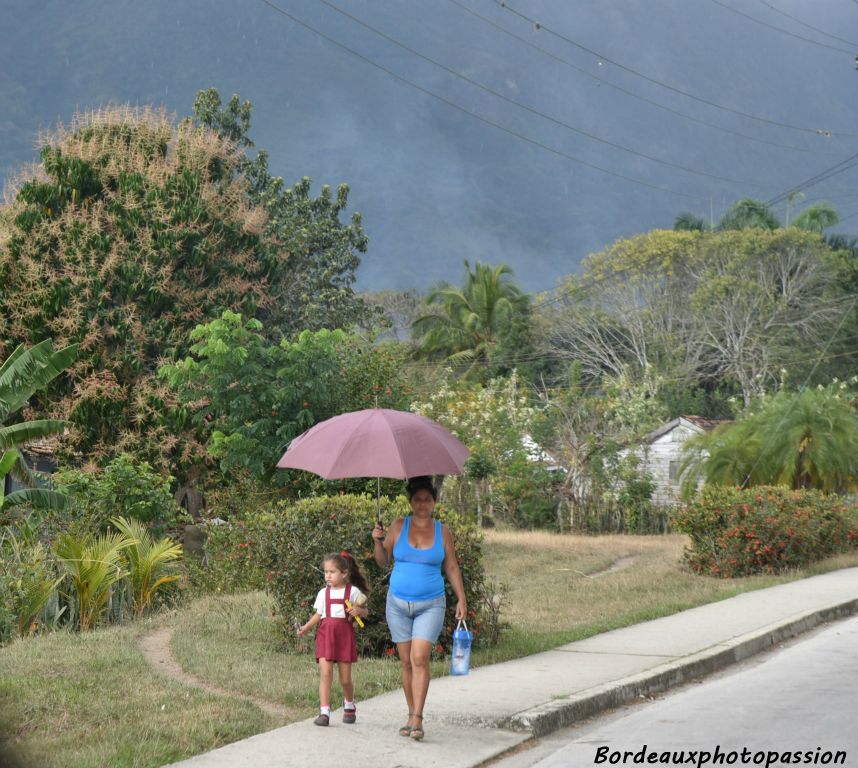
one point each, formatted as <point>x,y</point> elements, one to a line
<point>349,715</point>
<point>322,720</point>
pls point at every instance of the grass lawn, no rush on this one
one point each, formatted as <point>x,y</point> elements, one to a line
<point>87,701</point>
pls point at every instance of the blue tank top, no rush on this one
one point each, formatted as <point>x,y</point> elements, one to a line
<point>417,572</point>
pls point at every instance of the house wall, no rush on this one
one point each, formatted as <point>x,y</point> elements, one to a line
<point>661,459</point>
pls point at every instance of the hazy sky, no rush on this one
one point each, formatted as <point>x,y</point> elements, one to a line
<point>638,100</point>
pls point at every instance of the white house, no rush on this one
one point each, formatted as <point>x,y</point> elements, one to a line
<point>661,453</point>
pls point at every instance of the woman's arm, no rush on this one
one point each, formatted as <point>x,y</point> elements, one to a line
<point>454,573</point>
<point>383,542</point>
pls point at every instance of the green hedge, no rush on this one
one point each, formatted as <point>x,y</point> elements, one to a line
<point>764,529</point>
<point>284,547</point>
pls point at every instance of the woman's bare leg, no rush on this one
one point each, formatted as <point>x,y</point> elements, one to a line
<point>405,672</point>
<point>421,650</point>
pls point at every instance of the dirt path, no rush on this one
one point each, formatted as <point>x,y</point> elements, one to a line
<point>617,565</point>
<point>155,647</point>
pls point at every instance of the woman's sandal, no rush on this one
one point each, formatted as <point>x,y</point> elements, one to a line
<point>417,730</point>
<point>406,729</point>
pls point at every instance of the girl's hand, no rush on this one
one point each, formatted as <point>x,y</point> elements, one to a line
<point>302,631</point>
<point>378,532</point>
<point>461,610</point>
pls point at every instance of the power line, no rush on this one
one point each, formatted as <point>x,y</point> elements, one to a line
<point>809,26</point>
<point>625,91</point>
<point>475,115</point>
<point>834,170</point>
<point>527,108</point>
<point>539,26</point>
<point>779,29</point>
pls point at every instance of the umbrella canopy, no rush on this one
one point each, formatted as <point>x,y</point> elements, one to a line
<point>376,442</point>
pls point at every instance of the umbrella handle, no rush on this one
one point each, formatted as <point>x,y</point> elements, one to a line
<point>378,495</point>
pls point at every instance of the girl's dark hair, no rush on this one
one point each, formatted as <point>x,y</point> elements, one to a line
<point>422,483</point>
<point>346,562</point>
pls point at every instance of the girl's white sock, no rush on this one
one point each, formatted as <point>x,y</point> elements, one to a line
<point>348,704</point>
<point>326,711</point>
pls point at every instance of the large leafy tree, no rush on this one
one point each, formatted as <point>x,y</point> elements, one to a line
<point>474,322</point>
<point>730,307</point>
<point>250,396</point>
<point>323,252</point>
<point>25,372</point>
<point>628,313</point>
<point>133,230</point>
<point>806,439</point>
<point>760,298</point>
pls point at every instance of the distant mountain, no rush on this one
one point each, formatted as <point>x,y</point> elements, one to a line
<point>436,185</point>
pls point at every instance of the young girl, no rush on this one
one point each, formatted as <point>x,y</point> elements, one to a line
<point>335,640</point>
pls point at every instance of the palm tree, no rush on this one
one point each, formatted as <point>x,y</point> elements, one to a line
<point>810,440</point>
<point>25,372</point>
<point>807,439</point>
<point>149,562</point>
<point>688,222</point>
<point>93,566</point>
<point>473,319</point>
<point>817,217</point>
<point>749,214</point>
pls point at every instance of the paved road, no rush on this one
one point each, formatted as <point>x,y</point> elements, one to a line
<point>800,698</point>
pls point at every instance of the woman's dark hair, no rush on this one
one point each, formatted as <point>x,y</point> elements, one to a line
<point>346,562</point>
<point>422,483</point>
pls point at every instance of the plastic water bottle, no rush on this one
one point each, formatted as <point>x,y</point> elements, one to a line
<point>460,661</point>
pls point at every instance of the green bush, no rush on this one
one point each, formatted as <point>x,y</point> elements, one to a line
<point>123,488</point>
<point>764,529</point>
<point>231,562</point>
<point>290,542</point>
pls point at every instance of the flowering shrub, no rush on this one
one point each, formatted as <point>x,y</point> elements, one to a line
<point>289,543</point>
<point>764,529</point>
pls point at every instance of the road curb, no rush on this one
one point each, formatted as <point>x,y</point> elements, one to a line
<point>562,712</point>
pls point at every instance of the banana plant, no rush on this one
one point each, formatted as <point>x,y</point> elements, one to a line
<point>149,562</point>
<point>26,371</point>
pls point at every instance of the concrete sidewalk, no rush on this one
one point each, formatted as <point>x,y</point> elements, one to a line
<point>471,719</point>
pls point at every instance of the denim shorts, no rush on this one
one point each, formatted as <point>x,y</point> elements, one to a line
<point>418,620</point>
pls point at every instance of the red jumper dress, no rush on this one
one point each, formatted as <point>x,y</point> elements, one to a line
<point>335,638</point>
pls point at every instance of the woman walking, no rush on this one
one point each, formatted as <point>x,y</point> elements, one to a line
<point>421,548</point>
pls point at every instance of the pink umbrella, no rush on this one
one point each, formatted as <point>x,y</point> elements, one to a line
<point>376,442</point>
